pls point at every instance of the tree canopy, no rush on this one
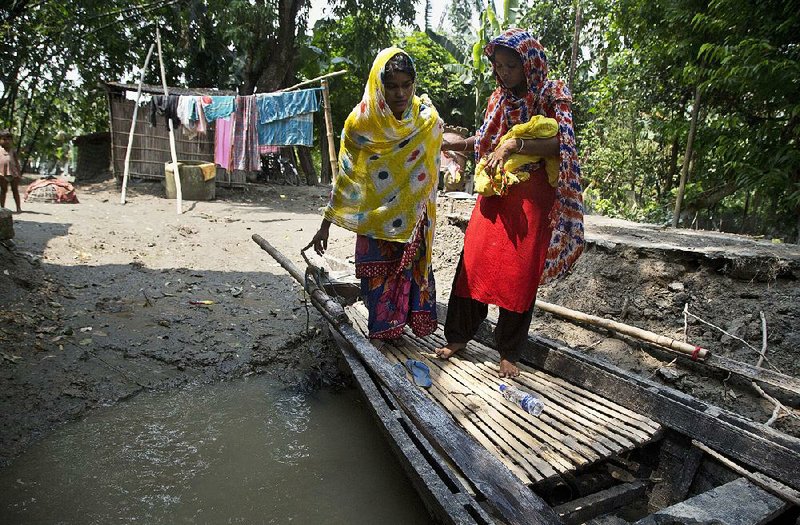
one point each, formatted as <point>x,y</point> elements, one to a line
<point>641,66</point>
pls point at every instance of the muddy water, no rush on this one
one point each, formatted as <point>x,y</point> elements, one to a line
<point>241,452</point>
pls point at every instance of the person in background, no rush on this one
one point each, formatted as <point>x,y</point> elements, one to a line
<point>534,232</point>
<point>10,172</point>
<point>386,193</point>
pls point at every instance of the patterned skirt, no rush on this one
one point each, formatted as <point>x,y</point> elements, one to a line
<point>394,285</point>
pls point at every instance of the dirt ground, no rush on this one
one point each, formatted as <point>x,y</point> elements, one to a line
<point>98,300</point>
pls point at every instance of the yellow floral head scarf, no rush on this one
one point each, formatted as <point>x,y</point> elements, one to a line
<point>388,168</point>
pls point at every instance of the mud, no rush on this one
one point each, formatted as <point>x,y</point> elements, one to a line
<point>102,301</point>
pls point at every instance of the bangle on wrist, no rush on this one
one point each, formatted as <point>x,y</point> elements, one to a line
<point>466,145</point>
<point>521,144</point>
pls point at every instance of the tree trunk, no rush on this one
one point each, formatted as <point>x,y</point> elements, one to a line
<point>744,212</point>
<point>304,154</point>
<point>687,157</point>
<point>575,38</point>
<point>672,168</point>
<point>278,71</point>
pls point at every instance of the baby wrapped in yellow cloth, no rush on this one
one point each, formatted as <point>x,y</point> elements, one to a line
<point>538,127</point>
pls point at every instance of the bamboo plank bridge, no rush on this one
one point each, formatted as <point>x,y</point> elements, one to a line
<point>475,457</point>
<point>576,429</point>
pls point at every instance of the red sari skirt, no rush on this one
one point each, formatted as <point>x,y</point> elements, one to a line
<point>505,245</point>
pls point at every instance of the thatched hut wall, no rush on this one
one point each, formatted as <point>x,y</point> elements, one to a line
<point>151,149</point>
<point>94,156</point>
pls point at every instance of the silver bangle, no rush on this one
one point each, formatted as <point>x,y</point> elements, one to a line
<point>521,145</point>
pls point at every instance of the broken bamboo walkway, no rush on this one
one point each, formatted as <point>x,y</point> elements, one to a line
<point>576,429</point>
<point>510,498</point>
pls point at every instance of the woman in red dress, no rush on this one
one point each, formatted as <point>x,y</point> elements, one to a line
<point>535,231</point>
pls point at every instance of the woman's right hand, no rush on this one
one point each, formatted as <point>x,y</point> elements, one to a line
<point>320,239</point>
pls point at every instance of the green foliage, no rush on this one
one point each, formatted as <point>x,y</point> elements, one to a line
<point>444,87</point>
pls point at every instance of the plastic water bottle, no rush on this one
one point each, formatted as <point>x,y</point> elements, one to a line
<point>528,402</point>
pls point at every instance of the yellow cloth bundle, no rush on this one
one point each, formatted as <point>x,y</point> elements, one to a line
<point>388,168</point>
<point>538,127</point>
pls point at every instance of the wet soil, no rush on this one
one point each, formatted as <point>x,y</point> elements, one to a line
<point>100,301</point>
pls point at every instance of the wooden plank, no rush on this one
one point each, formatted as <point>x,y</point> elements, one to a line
<point>756,373</point>
<point>765,482</point>
<point>444,496</point>
<point>757,445</point>
<point>513,500</point>
<point>588,507</point>
<point>754,444</point>
<point>736,503</point>
<point>677,465</point>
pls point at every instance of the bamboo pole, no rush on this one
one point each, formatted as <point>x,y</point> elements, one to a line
<point>178,193</point>
<point>326,104</point>
<point>307,82</point>
<point>126,169</point>
<point>771,485</point>
<point>695,352</point>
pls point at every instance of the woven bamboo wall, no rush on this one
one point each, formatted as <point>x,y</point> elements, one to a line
<point>150,148</point>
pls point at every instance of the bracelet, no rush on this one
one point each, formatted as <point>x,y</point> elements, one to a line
<point>521,145</point>
<point>466,145</point>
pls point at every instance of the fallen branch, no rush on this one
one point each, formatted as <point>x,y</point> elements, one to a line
<point>748,345</point>
<point>778,405</point>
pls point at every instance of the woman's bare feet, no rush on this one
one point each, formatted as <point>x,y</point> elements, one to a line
<point>447,351</point>
<point>508,369</point>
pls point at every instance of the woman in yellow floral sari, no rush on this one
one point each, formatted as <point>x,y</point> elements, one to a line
<point>386,193</point>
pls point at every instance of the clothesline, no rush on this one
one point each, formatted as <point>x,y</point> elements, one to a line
<point>245,125</point>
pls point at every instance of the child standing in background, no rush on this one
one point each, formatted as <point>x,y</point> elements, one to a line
<point>10,172</point>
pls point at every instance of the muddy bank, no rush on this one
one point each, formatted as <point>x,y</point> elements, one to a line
<point>102,301</point>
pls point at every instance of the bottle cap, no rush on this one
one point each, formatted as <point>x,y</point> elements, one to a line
<point>503,388</point>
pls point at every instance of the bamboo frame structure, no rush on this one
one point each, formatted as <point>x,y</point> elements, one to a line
<point>133,127</point>
<point>173,151</point>
<point>329,129</point>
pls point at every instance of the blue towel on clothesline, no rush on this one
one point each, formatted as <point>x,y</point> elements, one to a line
<point>280,106</point>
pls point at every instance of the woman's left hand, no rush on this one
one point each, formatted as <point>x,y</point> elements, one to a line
<point>500,155</point>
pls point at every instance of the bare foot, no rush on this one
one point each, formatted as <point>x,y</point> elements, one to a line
<point>447,351</point>
<point>508,369</point>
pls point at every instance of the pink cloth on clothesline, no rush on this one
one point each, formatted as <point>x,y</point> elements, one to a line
<point>222,142</point>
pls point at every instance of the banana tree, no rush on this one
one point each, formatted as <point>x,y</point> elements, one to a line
<point>475,69</point>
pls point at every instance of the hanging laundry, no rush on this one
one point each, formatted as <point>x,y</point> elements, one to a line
<point>167,106</point>
<point>278,106</point>
<point>199,116</point>
<point>294,131</point>
<point>217,107</point>
<point>244,154</point>
<point>186,106</point>
<point>186,110</point>
<point>222,142</point>
<point>287,119</point>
